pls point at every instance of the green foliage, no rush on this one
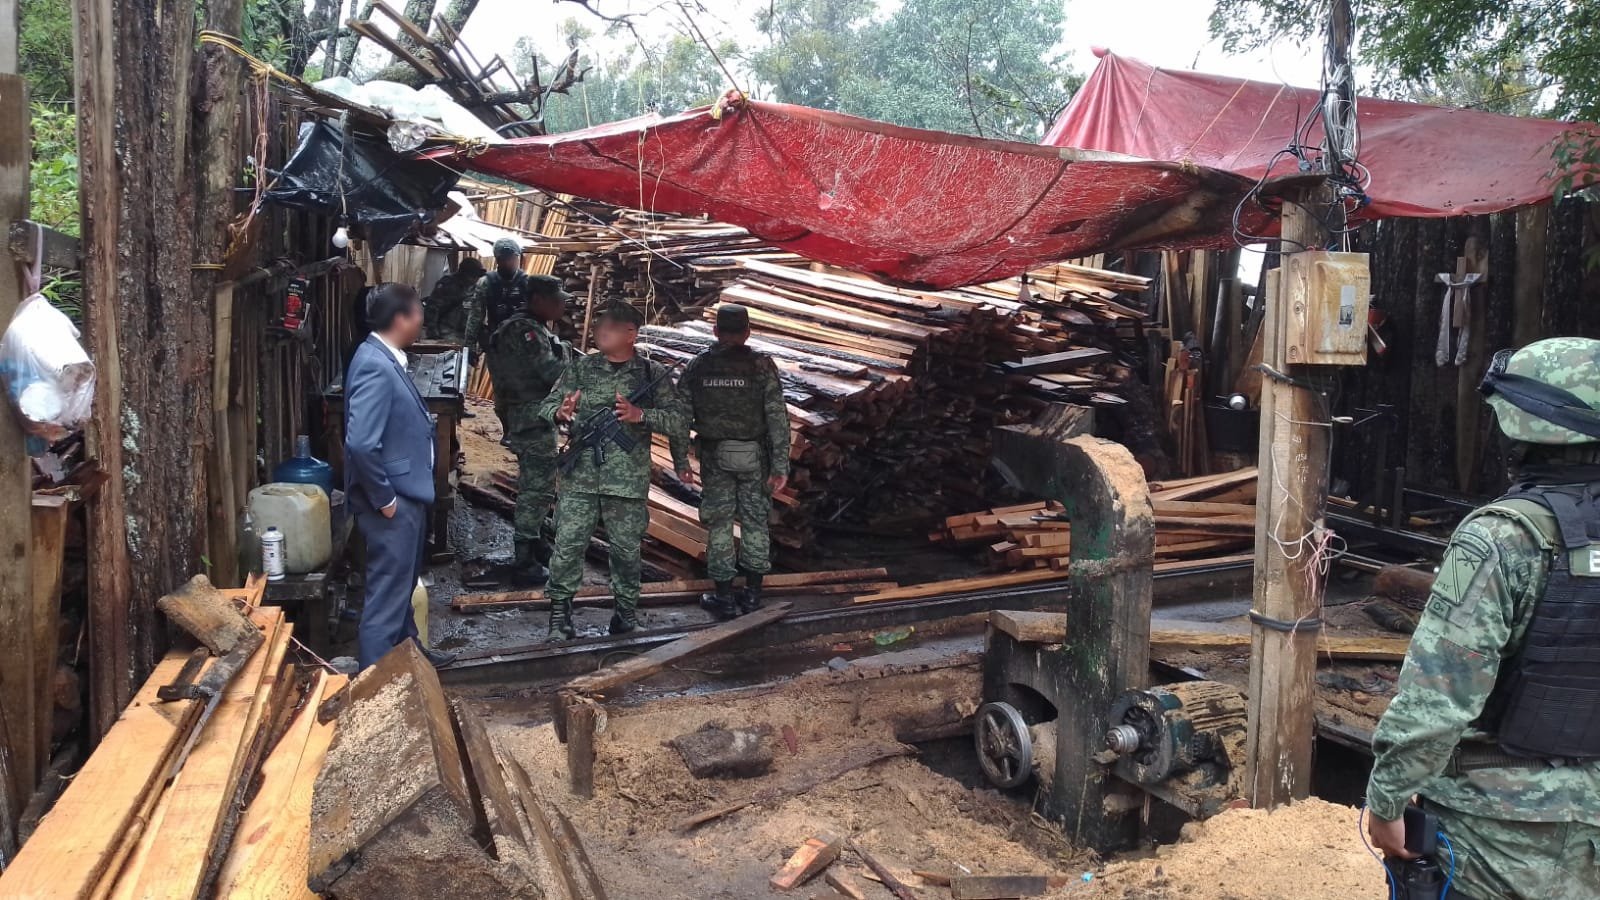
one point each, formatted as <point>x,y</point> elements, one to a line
<point>989,69</point>
<point>268,25</point>
<point>669,77</point>
<point>54,174</point>
<point>1526,46</point>
<point>44,49</point>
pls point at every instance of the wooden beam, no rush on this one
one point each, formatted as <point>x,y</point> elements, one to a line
<point>1203,637</point>
<point>100,197</point>
<point>49,528</point>
<point>60,251</point>
<point>16,475</point>
<point>1293,459</point>
<point>646,664</point>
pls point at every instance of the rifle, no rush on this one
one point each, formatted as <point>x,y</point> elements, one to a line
<point>602,427</point>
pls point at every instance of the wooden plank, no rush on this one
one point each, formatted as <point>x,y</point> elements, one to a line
<point>1057,362</point>
<point>842,881</point>
<point>672,589</point>
<point>817,853</point>
<point>999,887</point>
<point>69,853</point>
<point>1030,627</point>
<point>1034,576</point>
<point>49,527</point>
<point>1203,637</point>
<point>267,860</point>
<point>16,490</point>
<point>180,844</point>
<point>646,664</point>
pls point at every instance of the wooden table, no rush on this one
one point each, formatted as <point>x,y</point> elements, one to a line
<point>440,373</point>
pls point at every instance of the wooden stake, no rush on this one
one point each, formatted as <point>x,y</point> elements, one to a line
<point>588,310</point>
<point>1294,474</point>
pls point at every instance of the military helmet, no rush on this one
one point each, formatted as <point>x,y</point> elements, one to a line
<point>1548,392</point>
<point>507,246</point>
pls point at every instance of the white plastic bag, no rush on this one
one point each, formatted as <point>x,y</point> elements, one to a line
<point>47,374</point>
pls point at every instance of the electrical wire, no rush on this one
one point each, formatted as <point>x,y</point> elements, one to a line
<point>1451,875</point>
<point>1361,829</point>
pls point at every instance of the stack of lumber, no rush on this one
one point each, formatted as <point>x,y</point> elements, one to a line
<point>666,265</point>
<point>176,804</point>
<point>1199,517</point>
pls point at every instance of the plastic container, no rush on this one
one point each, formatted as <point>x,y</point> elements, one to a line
<point>249,546</point>
<point>272,554</point>
<point>303,468</point>
<point>300,512</point>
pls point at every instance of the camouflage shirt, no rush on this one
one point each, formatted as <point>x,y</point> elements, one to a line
<point>493,300</point>
<point>445,313</point>
<point>600,380</point>
<point>1493,574</point>
<point>735,394</point>
<point>525,358</point>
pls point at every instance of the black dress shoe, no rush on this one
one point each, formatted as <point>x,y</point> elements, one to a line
<point>438,658</point>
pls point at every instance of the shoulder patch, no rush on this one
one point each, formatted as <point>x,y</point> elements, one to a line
<point>1465,571</point>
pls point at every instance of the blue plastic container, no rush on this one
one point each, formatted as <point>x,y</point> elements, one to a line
<point>303,468</point>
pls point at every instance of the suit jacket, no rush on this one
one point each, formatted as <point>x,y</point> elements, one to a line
<point>388,434</point>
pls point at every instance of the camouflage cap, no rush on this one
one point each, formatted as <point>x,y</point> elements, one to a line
<point>1548,392</point>
<point>547,286</point>
<point>621,313</point>
<point>732,318</point>
<point>507,246</point>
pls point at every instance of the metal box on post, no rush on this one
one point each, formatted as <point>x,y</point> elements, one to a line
<point>1329,293</point>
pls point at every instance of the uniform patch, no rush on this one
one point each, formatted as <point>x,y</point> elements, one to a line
<point>723,382</point>
<point>1463,574</point>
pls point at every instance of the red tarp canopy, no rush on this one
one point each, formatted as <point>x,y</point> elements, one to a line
<point>920,208</point>
<point>1424,160</point>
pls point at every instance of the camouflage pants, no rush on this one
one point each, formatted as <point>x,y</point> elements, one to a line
<point>625,519</point>
<point>724,499</point>
<point>1497,859</point>
<point>536,479</point>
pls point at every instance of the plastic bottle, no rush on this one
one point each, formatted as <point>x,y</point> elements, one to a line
<point>303,468</point>
<point>272,554</point>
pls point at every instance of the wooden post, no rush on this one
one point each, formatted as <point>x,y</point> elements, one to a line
<point>1533,232</point>
<point>1293,477</point>
<point>16,471</point>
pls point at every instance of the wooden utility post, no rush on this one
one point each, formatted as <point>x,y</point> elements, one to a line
<point>1292,494</point>
<point>16,470</point>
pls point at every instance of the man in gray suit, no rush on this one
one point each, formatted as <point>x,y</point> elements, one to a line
<point>388,451</point>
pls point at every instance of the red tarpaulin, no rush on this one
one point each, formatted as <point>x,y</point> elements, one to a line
<point>916,207</point>
<point>1424,160</point>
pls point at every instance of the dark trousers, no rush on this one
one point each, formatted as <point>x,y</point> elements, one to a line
<point>394,563</point>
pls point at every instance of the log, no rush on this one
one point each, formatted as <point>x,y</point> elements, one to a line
<point>817,853</point>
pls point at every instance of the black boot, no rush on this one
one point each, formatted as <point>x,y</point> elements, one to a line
<point>750,600</point>
<point>722,602</point>
<point>527,569</point>
<point>624,620</point>
<point>561,627</point>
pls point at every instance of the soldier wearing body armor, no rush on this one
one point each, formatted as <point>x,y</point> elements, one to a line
<point>499,294</point>
<point>608,485</point>
<point>1496,725</point>
<point>525,359</point>
<point>445,310</point>
<point>742,440</point>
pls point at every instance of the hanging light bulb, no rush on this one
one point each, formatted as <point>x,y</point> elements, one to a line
<point>341,237</point>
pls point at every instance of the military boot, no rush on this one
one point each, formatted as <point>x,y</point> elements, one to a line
<point>527,570</point>
<point>624,620</point>
<point>722,602</point>
<point>561,627</point>
<point>750,600</point>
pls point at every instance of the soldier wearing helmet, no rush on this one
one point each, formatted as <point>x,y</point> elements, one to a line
<point>498,295</point>
<point>1496,725</point>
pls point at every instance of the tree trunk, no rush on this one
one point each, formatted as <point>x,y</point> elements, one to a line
<point>350,43</point>
<point>149,336</point>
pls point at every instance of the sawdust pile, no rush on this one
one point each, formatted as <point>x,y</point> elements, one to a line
<point>1311,849</point>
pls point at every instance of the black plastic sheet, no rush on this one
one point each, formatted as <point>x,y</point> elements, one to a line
<point>383,194</point>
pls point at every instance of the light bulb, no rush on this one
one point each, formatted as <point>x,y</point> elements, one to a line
<point>341,238</point>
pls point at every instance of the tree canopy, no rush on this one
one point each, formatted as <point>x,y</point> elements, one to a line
<point>1501,55</point>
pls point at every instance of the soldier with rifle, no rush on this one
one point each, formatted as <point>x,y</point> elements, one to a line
<point>612,400</point>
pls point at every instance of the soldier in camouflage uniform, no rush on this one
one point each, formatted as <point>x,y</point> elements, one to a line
<point>498,295</point>
<point>525,359</point>
<point>1495,727</point>
<point>742,439</point>
<point>614,491</point>
<point>445,310</point>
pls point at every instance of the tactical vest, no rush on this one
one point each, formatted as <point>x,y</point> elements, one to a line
<point>503,299</point>
<point>1548,700</point>
<point>725,387</point>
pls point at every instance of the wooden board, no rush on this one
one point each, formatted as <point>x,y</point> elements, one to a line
<point>1175,637</point>
<point>74,844</point>
<point>646,664</point>
<point>267,860</point>
<point>49,528</point>
<point>676,590</point>
<point>815,854</point>
<point>1031,627</point>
